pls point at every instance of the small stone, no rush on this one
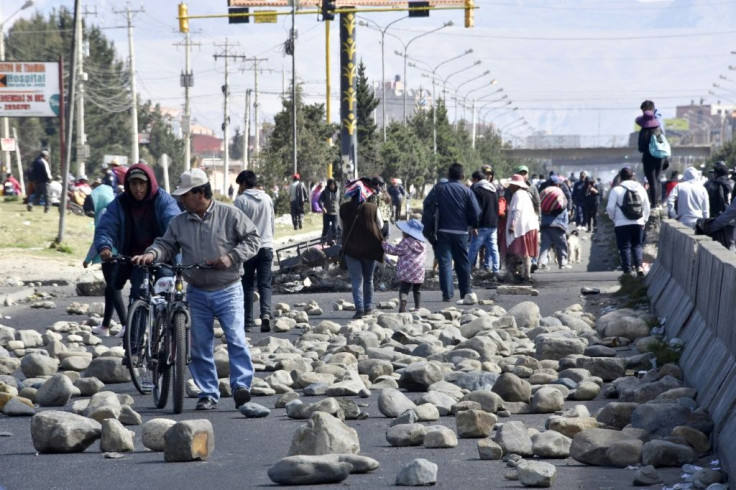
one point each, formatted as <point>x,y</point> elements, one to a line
<point>154,431</point>
<point>419,472</point>
<point>536,473</point>
<point>489,449</point>
<point>115,437</point>
<point>253,410</point>
<point>440,437</point>
<point>309,470</point>
<point>646,476</point>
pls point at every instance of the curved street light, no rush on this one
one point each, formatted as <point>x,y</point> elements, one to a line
<point>6,128</point>
<point>444,82</point>
<point>433,71</point>
<point>382,30</point>
<point>457,89</point>
<point>405,54</point>
<point>491,109</point>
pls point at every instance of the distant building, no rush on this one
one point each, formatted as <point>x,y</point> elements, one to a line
<point>415,100</point>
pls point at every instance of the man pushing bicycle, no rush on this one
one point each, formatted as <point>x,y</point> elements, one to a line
<point>221,236</point>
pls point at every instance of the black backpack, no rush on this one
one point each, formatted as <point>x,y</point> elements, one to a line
<point>632,205</point>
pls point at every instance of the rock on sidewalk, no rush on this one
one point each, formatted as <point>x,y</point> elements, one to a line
<point>417,473</point>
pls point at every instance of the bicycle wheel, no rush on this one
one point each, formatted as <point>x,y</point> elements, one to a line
<point>180,359</point>
<point>161,367</point>
<point>136,345</point>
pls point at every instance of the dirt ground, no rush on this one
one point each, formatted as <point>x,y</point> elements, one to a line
<point>34,268</point>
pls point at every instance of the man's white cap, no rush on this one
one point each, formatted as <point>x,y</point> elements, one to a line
<point>189,180</point>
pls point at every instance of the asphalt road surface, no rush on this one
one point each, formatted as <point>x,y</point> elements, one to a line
<point>245,448</point>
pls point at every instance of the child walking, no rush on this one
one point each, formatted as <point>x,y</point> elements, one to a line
<point>412,255</point>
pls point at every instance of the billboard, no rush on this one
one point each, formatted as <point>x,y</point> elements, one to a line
<point>29,89</point>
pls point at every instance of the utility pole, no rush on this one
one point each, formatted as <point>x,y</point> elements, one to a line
<point>246,132</point>
<point>81,78</point>
<point>135,157</point>
<point>293,83</point>
<point>226,106</point>
<point>256,122</point>
<point>187,81</point>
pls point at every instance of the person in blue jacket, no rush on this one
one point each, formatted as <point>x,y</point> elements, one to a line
<point>458,213</point>
<point>132,221</point>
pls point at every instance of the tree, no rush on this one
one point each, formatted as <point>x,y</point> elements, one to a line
<point>107,99</point>
<point>368,148</point>
<point>236,147</point>
<point>161,141</point>
<point>313,151</point>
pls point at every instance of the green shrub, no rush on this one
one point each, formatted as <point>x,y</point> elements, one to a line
<point>665,353</point>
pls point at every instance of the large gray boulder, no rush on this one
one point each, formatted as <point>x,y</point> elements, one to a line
<point>551,444</point>
<point>392,403</point>
<point>35,365</point>
<point>660,453</point>
<point>419,472</point>
<point>514,438</point>
<point>189,440</point>
<point>115,437</point>
<point>309,470</point>
<point>622,323</point>
<point>324,434</point>
<point>55,392</point>
<point>512,388</point>
<point>661,418</point>
<point>591,446</point>
<point>108,370</point>
<point>63,432</point>
<point>418,376</point>
<point>558,345</point>
<point>526,314</point>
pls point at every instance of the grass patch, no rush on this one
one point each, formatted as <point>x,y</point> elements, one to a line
<point>665,353</point>
<point>633,291</point>
<point>34,233</point>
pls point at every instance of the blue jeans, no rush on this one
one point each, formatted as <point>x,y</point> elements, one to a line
<point>580,214</point>
<point>227,306</point>
<point>630,242</point>
<point>487,237</point>
<point>329,226</point>
<point>552,236</point>
<point>361,278</point>
<point>260,267</point>
<point>453,247</point>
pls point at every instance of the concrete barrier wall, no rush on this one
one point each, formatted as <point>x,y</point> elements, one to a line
<point>692,286</point>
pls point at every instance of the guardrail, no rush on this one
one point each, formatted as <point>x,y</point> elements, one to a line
<point>692,286</point>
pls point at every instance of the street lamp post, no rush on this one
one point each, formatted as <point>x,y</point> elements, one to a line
<point>383,30</point>
<point>447,78</point>
<point>6,129</point>
<point>405,54</point>
<point>457,89</point>
<point>433,71</point>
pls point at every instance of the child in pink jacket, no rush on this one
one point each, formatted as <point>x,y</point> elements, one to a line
<point>412,255</point>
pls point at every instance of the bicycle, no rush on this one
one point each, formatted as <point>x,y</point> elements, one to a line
<point>157,338</point>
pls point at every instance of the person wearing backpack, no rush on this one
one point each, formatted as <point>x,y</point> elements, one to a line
<point>719,189</point>
<point>688,201</point>
<point>628,207</point>
<point>554,223</point>
<point>650,136</point>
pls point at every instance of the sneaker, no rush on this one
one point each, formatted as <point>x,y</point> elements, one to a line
<point>566,266</point>
<point>101,331</point>
<point>241,396</point>
<point>368,312</point>
<point>121,333</point>
<point>206,404</point>
<point>534,268</point>
<point>29,207</point>
<point>248,328</point>
<point>266,323</point>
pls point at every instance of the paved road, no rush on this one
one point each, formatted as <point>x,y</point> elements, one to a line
<point>245,448</point>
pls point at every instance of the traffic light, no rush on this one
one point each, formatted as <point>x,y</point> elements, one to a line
<point>469,13</point>
<point>238,20</point>
<point>328,9</point>
<point>418,13</point>
<point>183,17</point>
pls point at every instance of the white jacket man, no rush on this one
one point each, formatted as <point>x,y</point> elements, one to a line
<point>688,200</point>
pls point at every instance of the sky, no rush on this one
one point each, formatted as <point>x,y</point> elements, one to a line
<point>570,66</point>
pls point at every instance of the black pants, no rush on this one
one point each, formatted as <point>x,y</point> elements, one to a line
<point>652,169</point>
<point>416,289</point>
<point>329,226</point>
<point>113,295</point>
<point>297,214</point>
